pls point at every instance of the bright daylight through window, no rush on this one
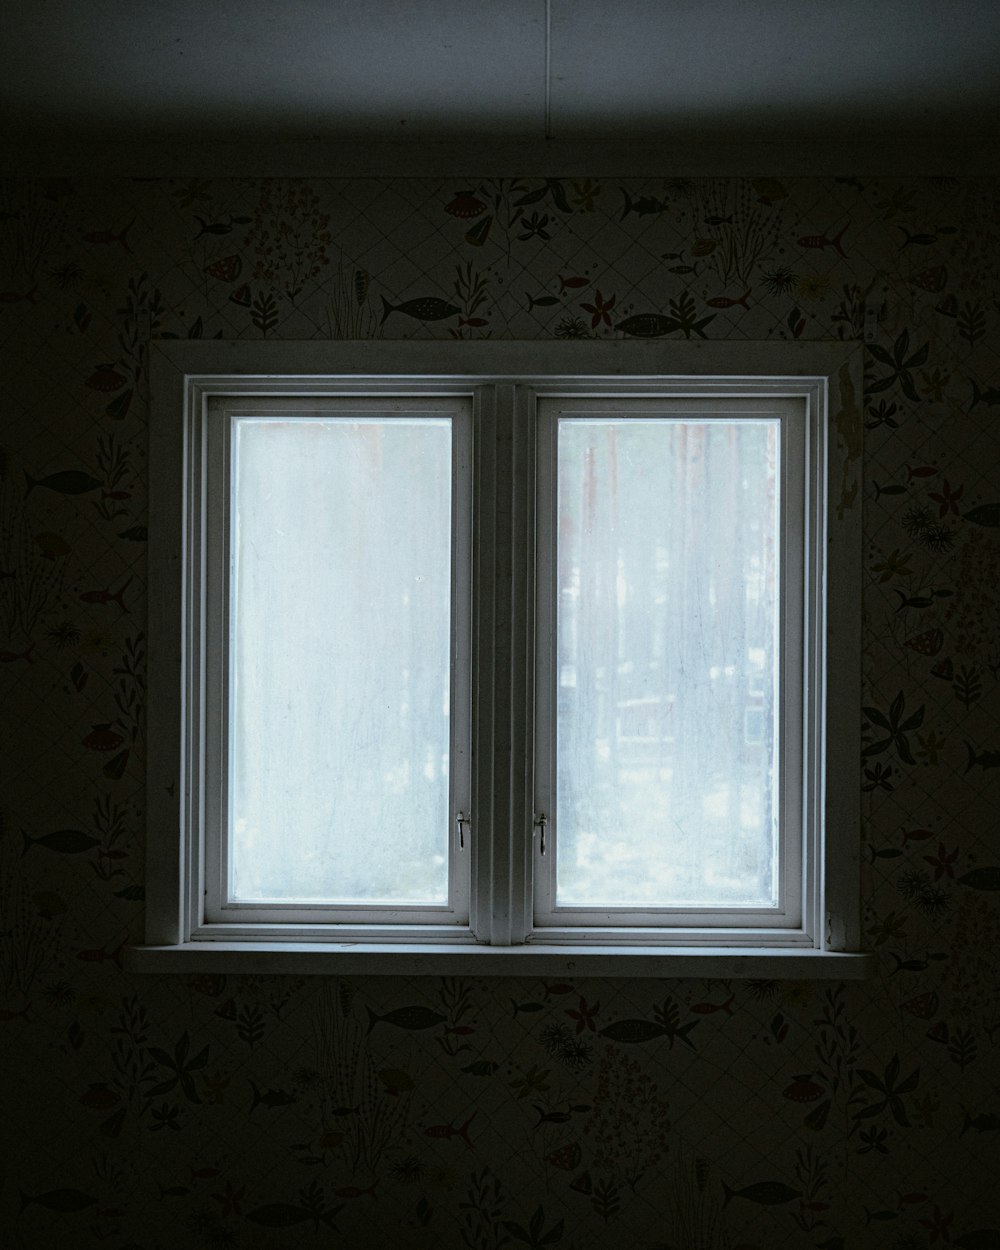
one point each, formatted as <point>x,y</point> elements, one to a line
<point>502,658</point>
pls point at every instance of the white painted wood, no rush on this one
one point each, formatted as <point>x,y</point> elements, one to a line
<point>836,769</point>
<point>755,399</point>
<point>500,837</point>
<point>427,959</point>
<point>213,589</point>
<point>503,673</point>
<point>166,867</point>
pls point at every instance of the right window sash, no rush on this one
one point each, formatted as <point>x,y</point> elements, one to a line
<point>677,586</point>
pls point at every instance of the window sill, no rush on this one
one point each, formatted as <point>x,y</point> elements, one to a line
<point>408,959</point>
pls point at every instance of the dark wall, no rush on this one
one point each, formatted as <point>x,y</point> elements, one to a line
<point>158,1112</point>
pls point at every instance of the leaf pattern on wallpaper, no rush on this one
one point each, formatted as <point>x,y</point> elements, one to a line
<point>478,1112</point>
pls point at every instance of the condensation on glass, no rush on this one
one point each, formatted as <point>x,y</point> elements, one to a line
<point>340,602</point>
<point>668,661</point>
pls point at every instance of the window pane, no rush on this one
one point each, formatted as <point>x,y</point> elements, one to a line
<point>340,645</point>
<point>668,645</point>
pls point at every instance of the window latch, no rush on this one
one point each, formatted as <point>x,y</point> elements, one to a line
<point>541,820</point>
<point>461,820</point>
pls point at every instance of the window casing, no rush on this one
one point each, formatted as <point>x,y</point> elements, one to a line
<point>504,403</point>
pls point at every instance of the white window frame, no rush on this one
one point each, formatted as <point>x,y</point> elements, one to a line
<point>505,382</point>
<point>791,920</point>
<point>209,637</point>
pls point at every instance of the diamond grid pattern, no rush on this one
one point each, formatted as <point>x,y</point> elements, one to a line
<point>725,1092</point>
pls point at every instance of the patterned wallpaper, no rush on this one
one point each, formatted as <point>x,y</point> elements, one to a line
<point>147,1113</point>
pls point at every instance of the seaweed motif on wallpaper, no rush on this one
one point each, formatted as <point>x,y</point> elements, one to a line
<point>812,1175</point>
<point>973,978</point>
<point>32,225</point>
<point>455,997</point>
<point>972,617</point>
<point>33,920</point>
<point>263,309</point>
<point>482,1211</point>
<point>360,1117</point>
<point>483,1226</point>
<point>629,1128</point>
<point>694,1214</point>
<point>849,315</point>
<point>32,564</point>
<point>471,289</point>
<point>954,632</point>
<point>121,735</point>
<point>743,223</point>
<point>289,236</point>
<point>140,318</point>
<point>537,1233</point>
<point>123,1091</point>
<point>832,1085</point>
<point>129,676</point>
<point>350,314</point>
<point>114,833</point>
<point>114,464</point>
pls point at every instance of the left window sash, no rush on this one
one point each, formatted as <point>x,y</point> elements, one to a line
<point>330,617</point>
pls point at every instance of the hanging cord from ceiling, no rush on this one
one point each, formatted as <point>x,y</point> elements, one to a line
<point>548,69</point>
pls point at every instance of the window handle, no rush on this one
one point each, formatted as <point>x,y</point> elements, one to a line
<point>461,820</point>
<point>541,820</point>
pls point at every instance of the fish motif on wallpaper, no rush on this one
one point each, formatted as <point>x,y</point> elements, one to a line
<point>27,655</point>
<point>445,1132</point>
<point>62,841</point>
<point>823,241</point>
<point>105,237</point>
<point>62,1201</point>
<point>767,1193</point>
<point>540,301</point>
<point>426,308</point>
<point>66,482</point>
<point>415,1017</point>
<point>987,515</point>
<point>642,206</point>
<point>221,227</point>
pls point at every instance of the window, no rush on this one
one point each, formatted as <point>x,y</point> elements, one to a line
<point>505,657</point>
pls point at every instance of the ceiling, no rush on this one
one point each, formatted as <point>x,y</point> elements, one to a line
<point>82,79</point>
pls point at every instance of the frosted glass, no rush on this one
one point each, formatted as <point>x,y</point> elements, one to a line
<point>339,660</point>
<point>668,645</point>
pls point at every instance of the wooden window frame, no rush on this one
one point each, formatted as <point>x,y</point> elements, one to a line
<point>505,381</point>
